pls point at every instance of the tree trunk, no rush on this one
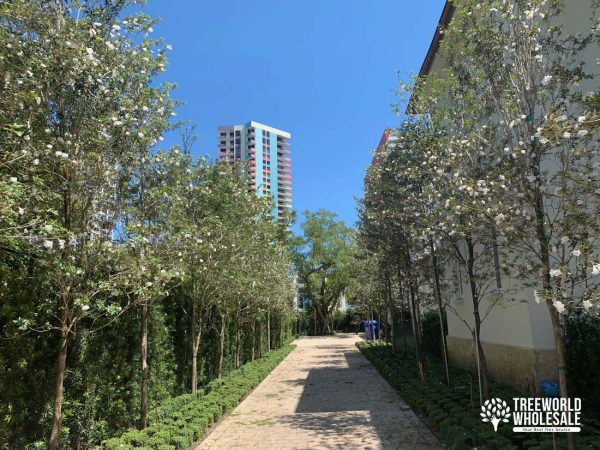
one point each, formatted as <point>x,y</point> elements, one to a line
<point>401,290</point>
<point>394,331</point>
<point>481,361</point>
<point>326,324</point>
<point>388,300</point>
<point>280,339</point>
<point>196,337</point>
<point>415,326</point>
<point>556,327</point>
<point>482,374</point>
<point>325,318</point>
<point>259,339</point>
<point>61,365</point>
<point>438,294</point>
<point>144,365</point>
<point>413,314</point>
<point>418,320</point>
<point>253,350</point>
<point>195,347</point>
<point>221,346</point>
<point>320,318</point>
<point>403,320</point>
<point>268,330</point>
<point>238,344</point>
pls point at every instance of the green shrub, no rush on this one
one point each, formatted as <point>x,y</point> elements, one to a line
<point>342,321</point>
<point>181,442</point>
<point>116,444</point>
<point>135,438</point>
<point>180,421</point>
<point>432,340</point>
<point>583,347</point>
<point>449,409</point>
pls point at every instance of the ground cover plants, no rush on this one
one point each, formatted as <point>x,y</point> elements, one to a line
<point>453,410</point>
<point>182,420</point>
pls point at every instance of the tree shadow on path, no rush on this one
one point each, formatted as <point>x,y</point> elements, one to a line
<point>348,404</point>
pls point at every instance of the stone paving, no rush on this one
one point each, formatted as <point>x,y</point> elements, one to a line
<point>324,395</point>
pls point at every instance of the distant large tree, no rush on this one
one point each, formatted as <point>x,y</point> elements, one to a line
<point>323,258</point>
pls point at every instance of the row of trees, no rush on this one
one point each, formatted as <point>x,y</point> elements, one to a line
<point>495,171</point>
<point>128,274</point>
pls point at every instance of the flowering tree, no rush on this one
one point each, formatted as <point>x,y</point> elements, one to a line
<point>460,191</point>
<point>73,113</point>
<point>390,219</point>
<point>225,247</point>
<point>549,152</point>
<point>99,230</point>
<point>499,164</point>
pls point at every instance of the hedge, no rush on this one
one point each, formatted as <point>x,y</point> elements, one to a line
<point>183,420</point>
<point>432,340</point>
<point>453,410</point>
<point>583,361</point>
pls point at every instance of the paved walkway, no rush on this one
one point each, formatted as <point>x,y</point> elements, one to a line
<point>325,394</point>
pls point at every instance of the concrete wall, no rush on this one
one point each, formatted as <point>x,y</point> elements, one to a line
<point>516,335</point>
<point>522,367</point>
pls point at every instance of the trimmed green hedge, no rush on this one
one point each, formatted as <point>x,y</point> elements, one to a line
<point>454,409</point>
<point>182,420</point>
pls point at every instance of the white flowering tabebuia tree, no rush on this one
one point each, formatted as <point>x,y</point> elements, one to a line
<point>536,75</point>
<point>222,242</point>
<point>77,104</point>
<point>546,118</point>
<point>393,222</point>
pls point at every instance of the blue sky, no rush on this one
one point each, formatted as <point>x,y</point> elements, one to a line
<point>323,70</point>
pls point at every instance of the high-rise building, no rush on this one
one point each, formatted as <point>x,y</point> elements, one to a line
<point>265,154</point>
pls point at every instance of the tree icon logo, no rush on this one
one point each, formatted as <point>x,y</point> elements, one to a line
<point>495,410</point>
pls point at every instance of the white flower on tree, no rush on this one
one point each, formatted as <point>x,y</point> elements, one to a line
<point>560,306</point>
<point>554,273</point>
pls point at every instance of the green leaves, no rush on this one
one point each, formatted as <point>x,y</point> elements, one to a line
<point>16,128</point>
<point>323,259</point>
<point>185,419</point>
